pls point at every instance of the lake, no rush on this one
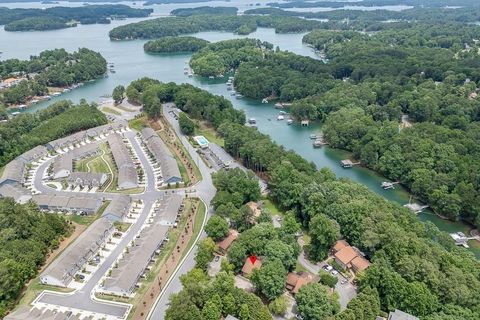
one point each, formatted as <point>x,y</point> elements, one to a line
<point>131,63</point>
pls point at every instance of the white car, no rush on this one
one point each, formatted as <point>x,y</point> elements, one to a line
<point>328,268</point>
<point>334,272</point>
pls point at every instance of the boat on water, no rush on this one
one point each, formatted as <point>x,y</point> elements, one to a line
<point>282,113</point>
<point>190,75</point>
<point>278,105</point>
<point>289,121</point>
<point>211,77</point>
<point>238,96</point>
<point>280,118</point>
<point>318,143</point>
<point>386,185</point>
<point>233,93</point>
<point>313,136</point>
<point>264,100</point>
<point>252,121</point>
<point>229,88</point>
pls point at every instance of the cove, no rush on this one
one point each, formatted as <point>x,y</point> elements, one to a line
<point>131,63</point>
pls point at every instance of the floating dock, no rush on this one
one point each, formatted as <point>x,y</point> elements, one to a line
<point>415,207</point>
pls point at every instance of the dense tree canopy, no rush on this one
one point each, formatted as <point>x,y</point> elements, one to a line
<point>61,17</point>
<point>173,26</point>
<point>26,237</point>
<point>28,130</point>
<point>174,45</point>
<point>51,68</point>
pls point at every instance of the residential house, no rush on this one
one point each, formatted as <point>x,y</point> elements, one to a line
<point>87,179</point>
<point>349,257</point>
<point>400,315</point>
<point>118,208</point>
<point>224,245</point>
<point>297,280</point>
<point>127,172</point>
<point>248,266</point>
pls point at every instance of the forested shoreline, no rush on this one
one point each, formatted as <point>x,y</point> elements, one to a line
<point>51,68</point>
<point>422,78</point>
<point>174,26</point>
<point>29,130</point>
<point>65,17</point>
<point>400,247</point>
<point>174,45</point>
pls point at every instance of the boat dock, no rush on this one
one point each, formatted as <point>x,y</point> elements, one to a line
<point>415,207</point>
<point>462,240</point>
<point>386,185</point>
<point>347,163</point>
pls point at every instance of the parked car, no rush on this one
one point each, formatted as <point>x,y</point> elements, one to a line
<point>334,272</point>
<point>217,258</point>
<point>328,268</point>
<point>343,281</point>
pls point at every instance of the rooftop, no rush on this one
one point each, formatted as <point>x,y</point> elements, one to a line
<point>248,267</point>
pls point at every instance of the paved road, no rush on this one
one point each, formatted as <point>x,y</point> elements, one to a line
<point>206,191</point>
<point>345,291</point>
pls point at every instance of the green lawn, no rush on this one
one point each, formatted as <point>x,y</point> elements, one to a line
<point>112,111</point>
<point>122,226</point>
<point>209,133</point>
<point>87,220</point>
<point>272,208</point>
<point>95,163</point>
<point>138,124</point>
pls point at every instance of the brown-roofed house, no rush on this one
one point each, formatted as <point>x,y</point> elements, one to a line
<point>248,267</point>
<point>227,241</point>
<point>255,209</point>
<point>339,245</point>
<point>349,257</point>
<point>297,280</point>
<point>360,264</point>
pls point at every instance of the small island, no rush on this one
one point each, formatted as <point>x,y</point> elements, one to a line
<point>175,45</point>
<point>65,17</point>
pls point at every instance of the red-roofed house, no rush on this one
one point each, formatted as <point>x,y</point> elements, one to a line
<point>248,267</point>
<point>227,242</point>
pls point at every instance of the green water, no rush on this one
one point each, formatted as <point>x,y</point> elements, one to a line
<point>131,63</point>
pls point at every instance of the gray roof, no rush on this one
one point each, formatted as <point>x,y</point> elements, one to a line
<point>85,151</point>
<point>124,278</point>
<point>118,208</point>
<point>65,141</point>
<point>107,128</point>
<point>13,172</point>
<point>400,315</point>
<point>127,173</point>
<point>74,256</point>
<point>71,203</point>
<point>33,154</point>
<point>59,201</point>
<point>87,177</point>
<point>221,154</point>
<point>166,160</point>
<point>62,162</point>
<point>15,191</point>
<point>229,317</point>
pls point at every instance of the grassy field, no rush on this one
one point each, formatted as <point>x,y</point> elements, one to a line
<point>209,132</point>
<point>122,226</point>
<point>267,204</point>
<point>112,111</point>
<point>94,164</point>
<point>87,220</point>
<point>138,124</point>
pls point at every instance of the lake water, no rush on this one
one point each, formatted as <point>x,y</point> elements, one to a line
<point>131,63</point>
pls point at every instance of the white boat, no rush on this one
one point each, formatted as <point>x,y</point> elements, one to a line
<point>190,75</point>
<point>264,100</point>
<point>282,113</point>
<point>388,185</point>
<point>211,77</point>
<point>252,121</point>
<point>238,96</point>
<point>313,136</point>
<point>289,121</point>
<point>280,118</point>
